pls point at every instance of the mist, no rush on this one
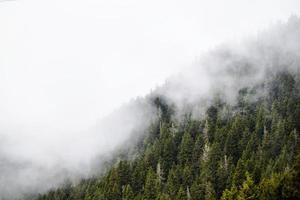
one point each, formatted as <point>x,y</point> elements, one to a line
<point>232,66</point>
<point>69,82</point>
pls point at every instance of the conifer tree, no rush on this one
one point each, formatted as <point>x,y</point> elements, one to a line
<point>181,194</point>
<point>185,149</point>
<point>151,185</point>
<point>173,182</point>
<point>210,193</point>
<point>128,193</point>
<point>248,189</point>
<point>230,194</point>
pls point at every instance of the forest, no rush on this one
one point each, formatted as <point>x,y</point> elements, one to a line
<point>149,100</point>
<point>246,150</point>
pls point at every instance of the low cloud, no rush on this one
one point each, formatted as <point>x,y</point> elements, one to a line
<point>31,161</point>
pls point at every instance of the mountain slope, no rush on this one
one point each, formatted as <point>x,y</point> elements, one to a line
<point>230,131</point>
<point>251,152</point>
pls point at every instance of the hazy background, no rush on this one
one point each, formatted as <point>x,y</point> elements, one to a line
<point>65,64</point>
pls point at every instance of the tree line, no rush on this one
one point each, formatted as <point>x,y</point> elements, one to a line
<point>248,150</point>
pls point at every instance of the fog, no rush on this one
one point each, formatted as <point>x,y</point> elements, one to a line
<point>69,71</point>
<point>220,73</point>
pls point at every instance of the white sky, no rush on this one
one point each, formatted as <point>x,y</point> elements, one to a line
<point>65,63</point>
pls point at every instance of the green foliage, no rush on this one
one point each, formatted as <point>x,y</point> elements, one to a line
<point>248,189</point>
<point>151,185</point>
<point>230,194</point>
<point>209,192</point>
<point>243,151</point>
<point>181,194</point>
<point>185,149</point>
<point>128,193</point>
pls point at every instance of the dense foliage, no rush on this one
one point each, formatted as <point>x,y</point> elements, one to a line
<point>246,150</point>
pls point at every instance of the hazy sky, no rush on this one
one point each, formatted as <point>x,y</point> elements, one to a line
<point>65,63</point>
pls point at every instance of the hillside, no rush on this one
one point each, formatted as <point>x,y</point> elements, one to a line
<point>237,138</point>
<point>250,152</point>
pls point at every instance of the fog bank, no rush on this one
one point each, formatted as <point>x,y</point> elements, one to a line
<point>61,75</point>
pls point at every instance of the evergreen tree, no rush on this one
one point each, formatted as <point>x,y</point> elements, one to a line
<point>230,194</point>
<point>128,193</point>
<point>186,149</point>
<point>248,189</point>
<point>181,194</point>
<point>151,185</point>
<point>210,193</point>
<point>173,182</point>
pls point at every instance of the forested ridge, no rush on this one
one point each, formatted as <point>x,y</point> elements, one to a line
<point>238,140</point>
<point>246,150</point>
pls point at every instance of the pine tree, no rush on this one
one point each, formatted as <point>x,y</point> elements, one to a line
<point>181,194</point>
<point>268,187</point>
<point>113,188</point>
<point>124,172</point>
<point>162,196</point>
<point>173,182</point>
<point>210,193</point>
<point>291,181</point>
<point>239,173</point>
<point>138,176</point>
<point>128,193</point>
<point>186,149</point>
<point>151,185</point>
<point>187,176</point>
<point>230,194</point>
<point>197,190</point>
<point>232,147</point>
<point>197,152</point>
<point>168,153</point>
<point>248,189</point>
